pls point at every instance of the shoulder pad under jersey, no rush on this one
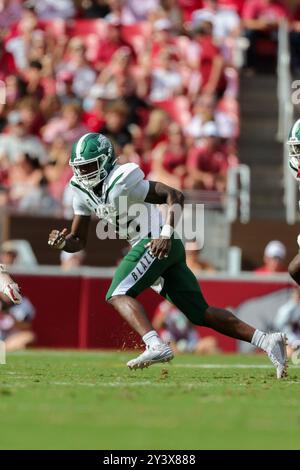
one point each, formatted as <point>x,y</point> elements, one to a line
<point>123,178</point>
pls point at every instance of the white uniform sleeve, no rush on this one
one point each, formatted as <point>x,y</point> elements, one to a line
<point>132,185</point>
<point>139,192</point>
<point>79,207</point>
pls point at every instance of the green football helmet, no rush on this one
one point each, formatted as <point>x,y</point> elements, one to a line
<point>294,142</point>
<point>92,159</point>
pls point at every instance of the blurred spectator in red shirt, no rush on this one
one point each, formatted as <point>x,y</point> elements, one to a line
<point>24,180</point>
<point>30,114</point>
<point>166,80</point>
<point>17,140</point>
<point>171,10</point>
<point>274,258</point>
<point>223,114</point>
<point>161,38</point>
<point>10,13</point>
<point>128,154</point>
<point>207,163</point>
<point>58,171</point>
<point>69,125</point>
<point>169,158</point>
<point>264,14</point>
<point>189,6</point>
<point>15,90</point>
<point>113,42</point>
<point>94,117</point>
<point>110,81</point>
<point>52,9</point>
<point>19,42</point>
<point>64,88</point>
<point>210,60</point>
<point>76,63</point>
<point>225,21</point>
<point>33,80</point>
<point>157,127</point>
<point>134,11</point>
<point>203,111</point>
<point>7,62</point>
<point>38,46</point>
<point>236,5</point>
<point>261,19</point>
<point>49,107</point>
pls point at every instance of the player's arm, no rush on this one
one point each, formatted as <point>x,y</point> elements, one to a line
<point>73,241</point>
<point>160,193</point>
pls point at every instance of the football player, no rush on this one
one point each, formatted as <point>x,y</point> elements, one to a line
<point>293,144</point>
<point>100,185</point>
<point>9,290</point>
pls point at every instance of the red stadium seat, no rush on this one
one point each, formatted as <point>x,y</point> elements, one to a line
<point>178,109</point>
<point>137,35</point>
<point>56,27</point>
<point>85,27</point>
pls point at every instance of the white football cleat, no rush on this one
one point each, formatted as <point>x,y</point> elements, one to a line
<point>152,355</point>
<point>276,350</point>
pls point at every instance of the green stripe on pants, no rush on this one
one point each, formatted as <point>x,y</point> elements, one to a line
<point>139,270</point>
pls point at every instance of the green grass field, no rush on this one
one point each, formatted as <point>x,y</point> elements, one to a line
<point>89,400</point>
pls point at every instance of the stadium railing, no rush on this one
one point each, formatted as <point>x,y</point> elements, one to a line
<point>235,203</point>
<point>221,210</point>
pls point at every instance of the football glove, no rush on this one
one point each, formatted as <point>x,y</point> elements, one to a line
<point>9,287</point>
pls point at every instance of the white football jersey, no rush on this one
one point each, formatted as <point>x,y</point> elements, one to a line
<point>121,204</point>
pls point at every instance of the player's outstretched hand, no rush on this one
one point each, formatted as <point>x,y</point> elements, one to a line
<point>160,247</point>
<point>57,239</point>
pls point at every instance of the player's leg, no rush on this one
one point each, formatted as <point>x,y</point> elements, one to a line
<point>294,268</point>
<point>182,289</point>
<point>139,270</point>
<point>133,312</point>
<point>225,322</point>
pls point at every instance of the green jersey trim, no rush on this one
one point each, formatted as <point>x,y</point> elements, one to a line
<point>112,185</point>
<point>293,168</point>
<point>84,191</point>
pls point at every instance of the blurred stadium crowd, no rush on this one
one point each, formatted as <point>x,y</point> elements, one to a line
<point>160,78</point>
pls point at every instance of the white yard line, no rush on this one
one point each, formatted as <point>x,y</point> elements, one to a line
<point>229,366</point>
<point>223,366</point>
<point>137,384</point>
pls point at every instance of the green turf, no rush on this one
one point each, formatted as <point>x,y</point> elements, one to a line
<point>77,400</point>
